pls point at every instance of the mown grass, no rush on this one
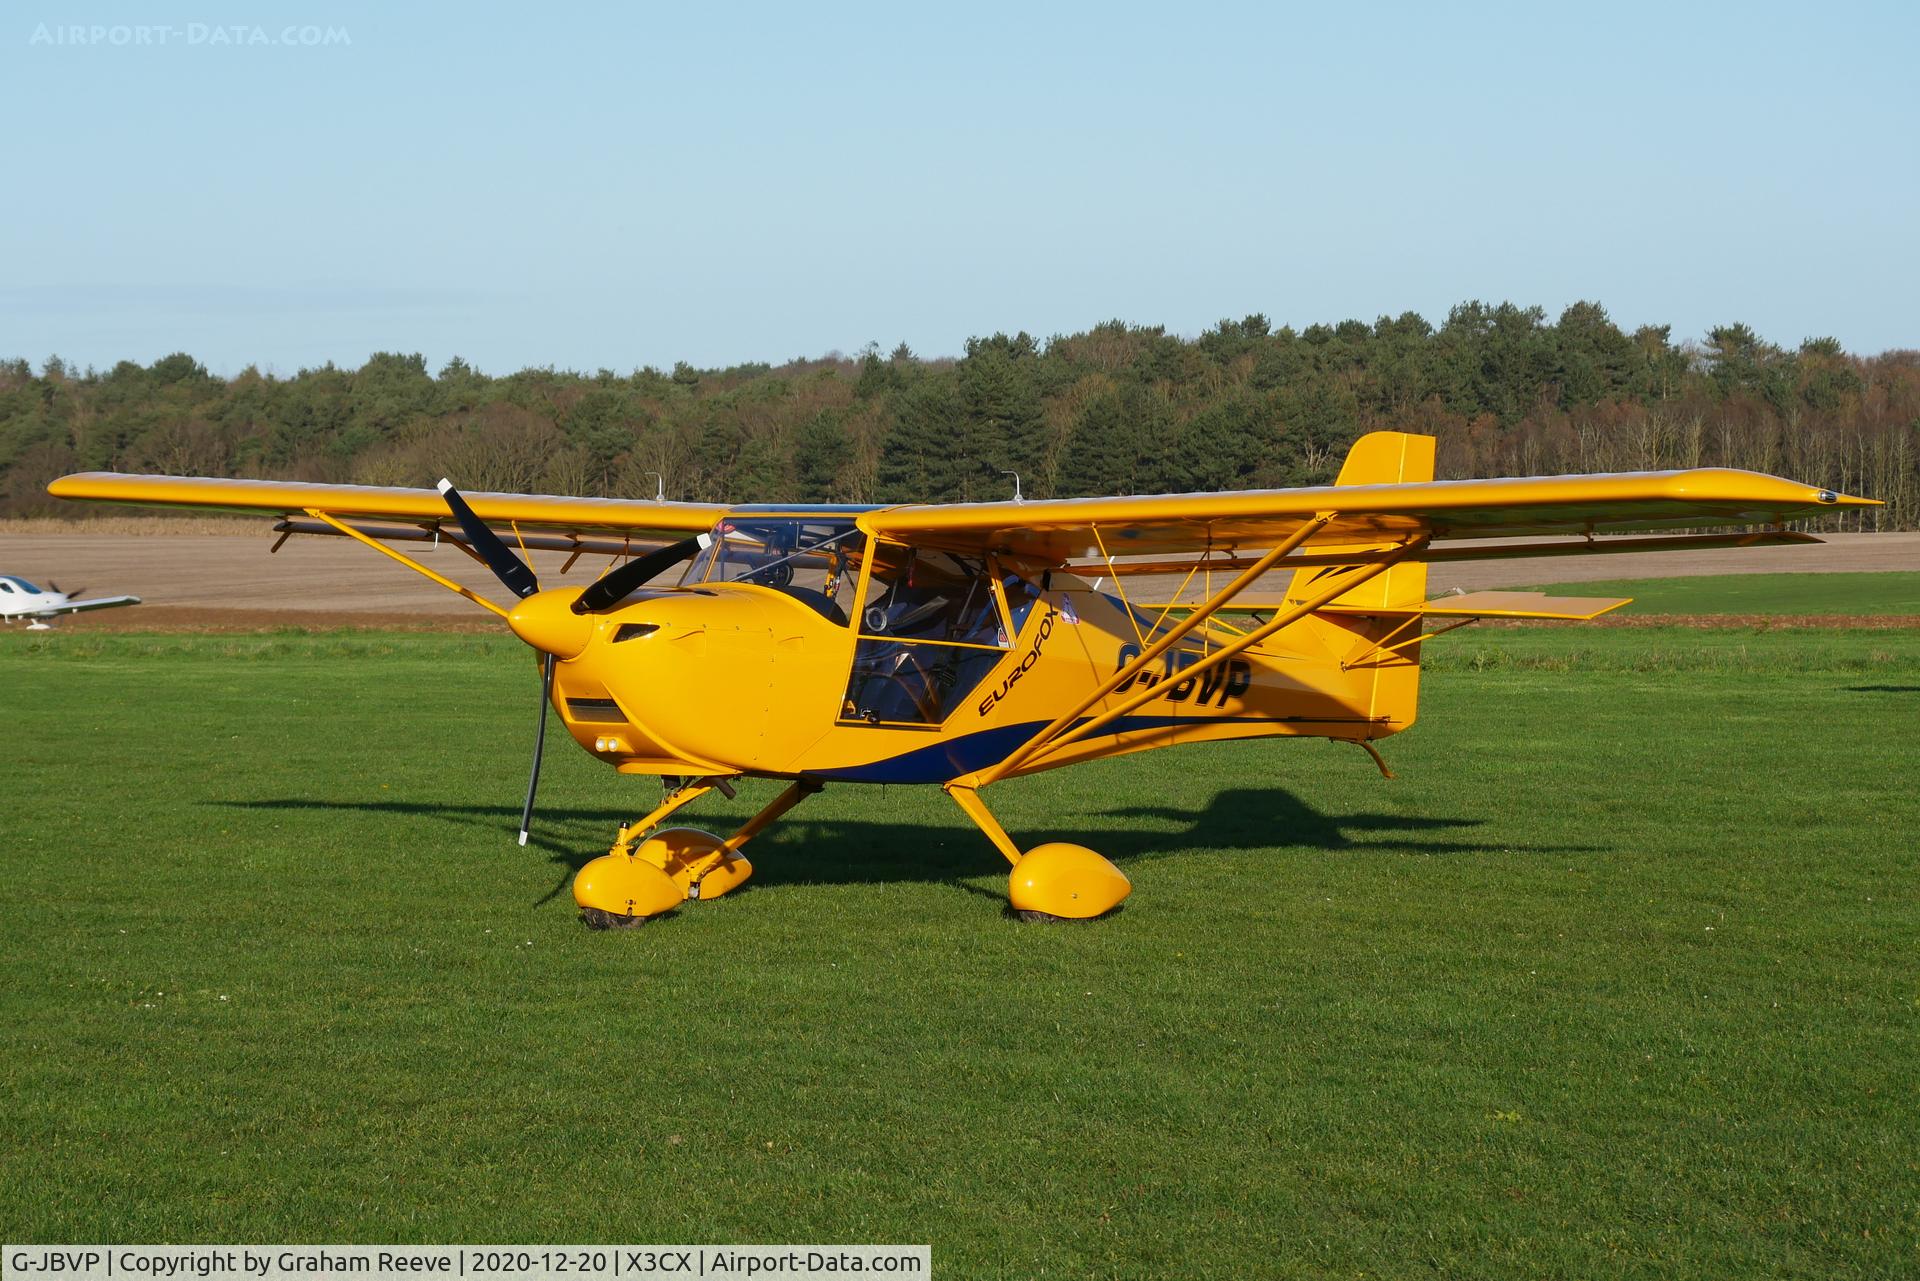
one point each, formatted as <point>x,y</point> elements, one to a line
<point>1874,593</point>
<point>1618,978</point>
<point>1675,651</point>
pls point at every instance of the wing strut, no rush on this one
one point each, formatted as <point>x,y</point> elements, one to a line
<point>408,561</point>
<point>1151,653</point>
<point>1286,618</point>
<point>1065,730</point>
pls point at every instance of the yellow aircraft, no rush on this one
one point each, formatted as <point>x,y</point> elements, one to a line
<point>961,644</point>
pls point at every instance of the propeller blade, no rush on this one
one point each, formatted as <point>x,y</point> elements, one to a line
<point>613,587</point>
<point>512,572</point>
<point>539,745</point>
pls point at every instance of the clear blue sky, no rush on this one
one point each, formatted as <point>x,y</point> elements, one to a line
<point>618,185</point>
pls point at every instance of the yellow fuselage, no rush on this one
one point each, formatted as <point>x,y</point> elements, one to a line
<point>738,678</point>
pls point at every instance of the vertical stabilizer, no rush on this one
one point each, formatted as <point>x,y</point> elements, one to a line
<point>1377,458</point>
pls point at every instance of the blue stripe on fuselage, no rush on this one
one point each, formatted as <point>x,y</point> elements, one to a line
<point>939,762</point>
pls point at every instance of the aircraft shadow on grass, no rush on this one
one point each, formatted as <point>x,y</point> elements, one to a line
<point>808,851</point>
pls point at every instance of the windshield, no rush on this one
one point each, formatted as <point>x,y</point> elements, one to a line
<point>813,561</point>
<point>22,584</point>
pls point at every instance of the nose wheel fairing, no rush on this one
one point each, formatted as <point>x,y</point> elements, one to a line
<point>675,865</point>
<point>640,878</point>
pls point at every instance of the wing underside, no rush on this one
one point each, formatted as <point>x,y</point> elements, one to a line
<point>1185,527</point>
<point>421,508</point>
<point>1178,525</point>
<point>98,602</point>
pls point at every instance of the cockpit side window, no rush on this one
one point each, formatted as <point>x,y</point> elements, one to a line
<point>1020,593</point>
<point>933,596</point>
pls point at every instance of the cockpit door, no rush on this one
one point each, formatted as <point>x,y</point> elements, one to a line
<point>931,626</point>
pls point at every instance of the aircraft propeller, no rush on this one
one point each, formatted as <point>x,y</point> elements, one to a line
<point>514,574</point>
<point>614,586</point>
<point>518,577</point>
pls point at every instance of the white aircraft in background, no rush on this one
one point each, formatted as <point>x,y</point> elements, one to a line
<point>21,599</point>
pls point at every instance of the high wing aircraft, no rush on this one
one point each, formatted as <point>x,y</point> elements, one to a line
<point>961,644</point>
<point>21,599</point>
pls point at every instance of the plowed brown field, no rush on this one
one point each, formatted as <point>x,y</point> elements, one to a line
<point>213,581</point>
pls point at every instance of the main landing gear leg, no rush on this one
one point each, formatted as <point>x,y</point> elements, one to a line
<point>1051,882</point>
<point>632,882</point>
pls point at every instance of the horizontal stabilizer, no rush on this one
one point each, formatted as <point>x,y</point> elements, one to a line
<point>1498,605</point>
<point>1471,605</point>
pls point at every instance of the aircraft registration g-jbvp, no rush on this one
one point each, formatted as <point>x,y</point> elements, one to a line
<point>962,644</point>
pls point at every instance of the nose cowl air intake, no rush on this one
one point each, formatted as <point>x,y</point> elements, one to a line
<point>546,621</point>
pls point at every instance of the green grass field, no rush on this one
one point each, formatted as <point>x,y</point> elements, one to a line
<point>1892,593</point>
<point>1620,977</point>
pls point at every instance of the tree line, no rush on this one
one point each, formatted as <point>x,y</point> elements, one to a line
<point>1117,409</point>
